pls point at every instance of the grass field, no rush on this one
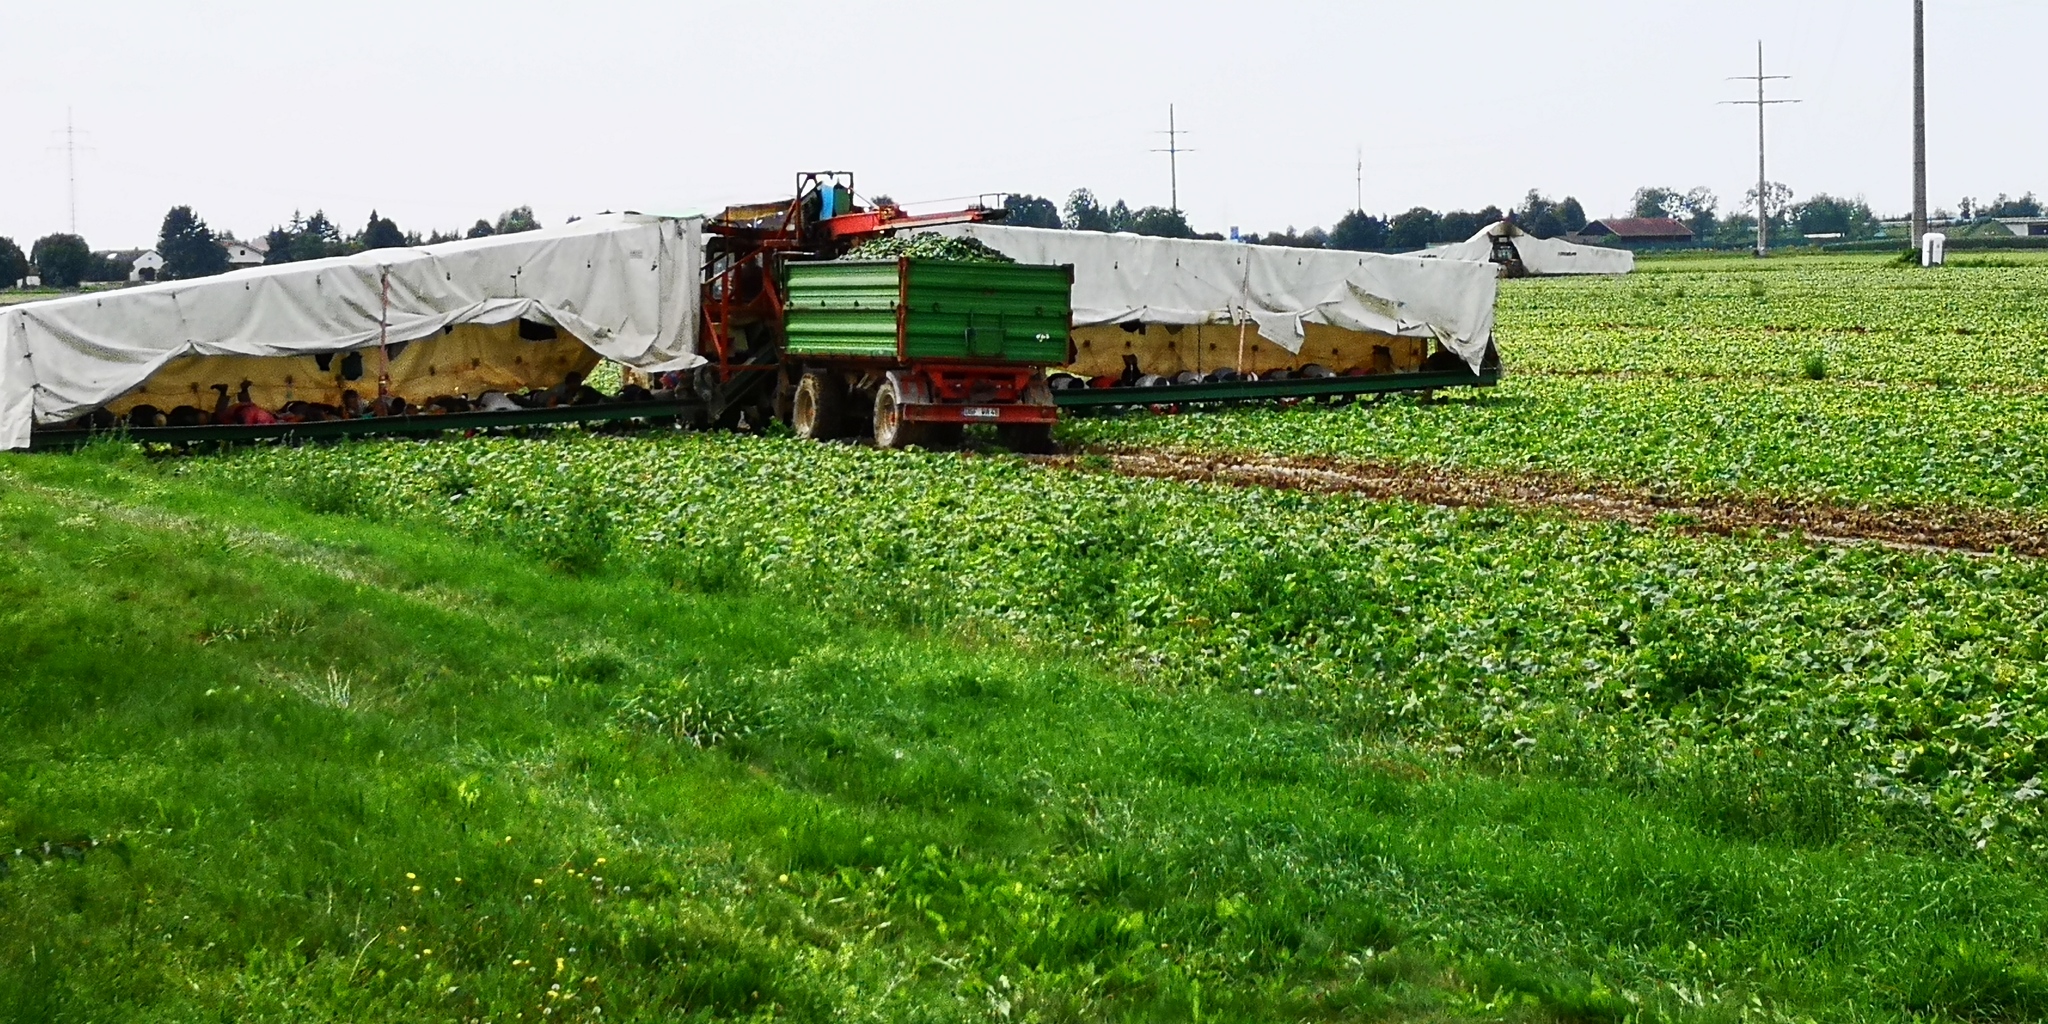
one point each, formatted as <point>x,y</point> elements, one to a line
<point>707,727</point>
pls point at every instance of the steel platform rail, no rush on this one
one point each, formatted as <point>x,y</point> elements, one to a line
<point>1273,390</point>
<point>51,440</point>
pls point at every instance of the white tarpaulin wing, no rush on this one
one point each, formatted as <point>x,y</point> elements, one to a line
<point>626,285</point>
<point>1542,257</point>
<point>1126,278</point>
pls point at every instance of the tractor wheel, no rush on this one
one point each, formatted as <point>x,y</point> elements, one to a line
<point>1026,438</point>
<point>818,413</point>
<point>891,429</point>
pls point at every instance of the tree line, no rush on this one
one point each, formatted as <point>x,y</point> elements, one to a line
<point>191,249</point>
<point>1792,219</point>
<point>1357,230</point>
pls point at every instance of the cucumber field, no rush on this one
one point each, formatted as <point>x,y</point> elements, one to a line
<point>1698,672</point>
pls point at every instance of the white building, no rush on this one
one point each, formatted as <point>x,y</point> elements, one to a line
<point>245,254</point>
<point>148,266</point>
<point>2026,227</point>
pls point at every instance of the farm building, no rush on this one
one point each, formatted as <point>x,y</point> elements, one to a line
<point>245,254</point>
<point>1635,232</point>
<point>2025,227</point>
<point>1520,253</point>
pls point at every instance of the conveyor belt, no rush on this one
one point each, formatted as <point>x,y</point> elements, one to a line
<point>1273,390</point>
<point>44,440</point>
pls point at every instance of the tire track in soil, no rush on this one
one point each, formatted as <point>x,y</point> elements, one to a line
<point>1936,530</point>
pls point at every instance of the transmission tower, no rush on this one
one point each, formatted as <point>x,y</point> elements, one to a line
<point>1762,103</point>
<point>71,148</point>
<point>1173,151</point>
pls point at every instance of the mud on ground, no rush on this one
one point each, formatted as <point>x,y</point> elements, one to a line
<point>1930,529</point>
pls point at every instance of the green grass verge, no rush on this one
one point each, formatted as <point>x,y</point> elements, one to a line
<point>339,769</point>
<point>1811,695</point>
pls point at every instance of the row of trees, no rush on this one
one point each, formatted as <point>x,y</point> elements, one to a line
<point>60,260</point>
<point>1416,229</point>
<point>2004,206</point>
<point>1540,215</point>
<point>313,236</point>
<point>191,249</point>
<point>1791,219</point>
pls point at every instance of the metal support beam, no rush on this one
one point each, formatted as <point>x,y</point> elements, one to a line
<point>1273,390</point>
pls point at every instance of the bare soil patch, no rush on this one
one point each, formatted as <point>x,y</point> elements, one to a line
<point>1932,529</point>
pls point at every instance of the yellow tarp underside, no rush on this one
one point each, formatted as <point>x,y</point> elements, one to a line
<point>467,359</point>
<point>1206,347</point>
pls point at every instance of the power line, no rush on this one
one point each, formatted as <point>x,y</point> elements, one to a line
<point>1762,103</point>
<point>1173,151</point>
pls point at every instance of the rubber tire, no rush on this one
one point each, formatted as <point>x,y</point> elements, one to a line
<point>1026,438</point>
<point>818,412</point>
<point>891,430</point>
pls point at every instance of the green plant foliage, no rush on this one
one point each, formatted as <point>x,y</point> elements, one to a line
<point>927,246</point>
<point>1918,445</point>
<point>1740,317</point>
<point>1807,694</point>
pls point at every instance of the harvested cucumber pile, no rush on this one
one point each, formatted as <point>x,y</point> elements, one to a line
<point>927,247</point>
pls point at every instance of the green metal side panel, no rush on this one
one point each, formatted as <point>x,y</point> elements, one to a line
<point>989,312</point>
<point>957,312</point>
<point>843,309</point>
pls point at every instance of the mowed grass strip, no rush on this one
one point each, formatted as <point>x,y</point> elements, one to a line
<point>264,764</point>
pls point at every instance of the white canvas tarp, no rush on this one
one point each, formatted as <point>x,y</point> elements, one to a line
<point>1542,257</point>
<point>625,285</point>
<point>1132,278</point>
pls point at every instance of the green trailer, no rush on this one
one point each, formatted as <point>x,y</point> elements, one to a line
<point>930,345</point>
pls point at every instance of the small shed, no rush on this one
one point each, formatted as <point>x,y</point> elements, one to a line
<point>146,266</point>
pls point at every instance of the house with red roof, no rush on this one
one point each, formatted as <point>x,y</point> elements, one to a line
<point>1635,232</point>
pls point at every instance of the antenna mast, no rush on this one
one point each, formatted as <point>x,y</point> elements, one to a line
<point>1173,151</point>
<point>1359,201</point>
<point>70,149</point>
<point>1762,103</point>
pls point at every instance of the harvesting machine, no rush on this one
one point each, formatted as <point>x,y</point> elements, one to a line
<point>916,348</point>
<point>753,315</point>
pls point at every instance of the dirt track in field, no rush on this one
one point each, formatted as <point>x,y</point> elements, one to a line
<point>1939,530</point>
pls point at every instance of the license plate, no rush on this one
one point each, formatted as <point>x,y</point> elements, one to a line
<point>982,412</point>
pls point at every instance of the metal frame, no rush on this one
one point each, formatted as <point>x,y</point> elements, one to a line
<point>47,440</point>
<point>1273,390</point>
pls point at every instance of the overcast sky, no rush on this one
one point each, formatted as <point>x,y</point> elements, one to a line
<point>438,112</point>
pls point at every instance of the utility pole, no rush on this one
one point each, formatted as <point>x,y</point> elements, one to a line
<point>1173,151</point>
<point>1762,103</point>
<point>1919,121</point>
